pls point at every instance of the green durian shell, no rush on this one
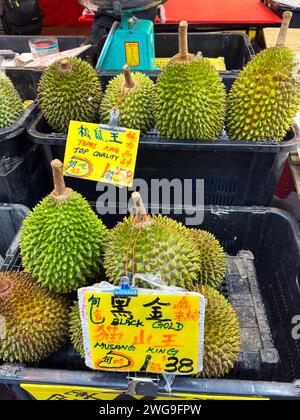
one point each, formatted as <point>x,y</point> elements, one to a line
<point>76,330</point>
<point>62,242</point>
<point>136,108</point>
<point>10,102</point>
<point>265,97</point>
<point>35,320</point>
<point>212,258</point>
<point>66,95</point>
<point>190,101</point>
<point>164,248</point>
<point>222,344</point>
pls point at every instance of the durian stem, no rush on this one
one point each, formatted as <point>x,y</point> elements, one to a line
<point>58,179</point>
<point>286,19</point>
<point>65,64</point>
<point>139,205</point>
<point>129,82</point>
<point>183,40</point>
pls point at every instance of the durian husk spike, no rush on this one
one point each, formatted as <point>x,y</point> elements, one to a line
<point>4,284</point>
<point>140,210</point>
<point>60,191</point>
<point>183,54</point>
<point>129,82</point>
<point>286,19</point>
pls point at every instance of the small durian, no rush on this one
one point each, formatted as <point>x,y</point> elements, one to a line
<point>75,329</point>
<point>11,106</point>
<point>154,245</point>
<point>190,97</point>
<point>132,95</point>
<point>69,90</point>
<point>222,344</point>
<point>212,258</point>
<point>33,321</point>
<point>62,239</point>
<point>265,97</point>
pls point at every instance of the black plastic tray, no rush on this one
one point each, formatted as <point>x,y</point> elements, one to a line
<point>26,79</point>
<point>23,179</point>
<point>233,46</point>
<point>235,173</point>
<point>273,240</point>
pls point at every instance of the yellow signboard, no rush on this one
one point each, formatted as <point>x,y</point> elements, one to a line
<point>101,154</point>
<point>159,332</point>
<point>68,392</point>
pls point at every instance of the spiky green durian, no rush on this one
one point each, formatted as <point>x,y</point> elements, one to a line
<point>159,246</point>
<point>69,90</point>
<point>222,342</point>
<point>212,258</point>
<point>264,99</point>
<point>132,95</point>
<point>75,329</point>
<point>61,239</point>
<point>33,322</point>
<point>10,102</point>
<point>190,99</point>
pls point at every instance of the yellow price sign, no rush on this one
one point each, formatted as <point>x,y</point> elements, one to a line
<point>156,331</point>
<point>98,153</point>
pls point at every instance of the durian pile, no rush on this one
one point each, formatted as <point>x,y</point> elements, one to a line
<point>189,100</point>
<point>64,246</point>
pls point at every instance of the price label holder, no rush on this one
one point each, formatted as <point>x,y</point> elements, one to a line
<point>104,153</point>
<point>154,331</point>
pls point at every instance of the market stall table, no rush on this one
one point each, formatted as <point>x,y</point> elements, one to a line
<point>233,13</point>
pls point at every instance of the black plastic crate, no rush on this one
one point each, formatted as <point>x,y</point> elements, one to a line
<point>264,280</point>
<point>233,46</point>
<point>11,218</point>
<point>23,179</point>
<point>26,79</point>
<point>280,9</point>
<point>235,173</point>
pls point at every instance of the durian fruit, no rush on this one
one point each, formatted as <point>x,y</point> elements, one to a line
<point>10,102</point>
<point>222,344</point>
<point>212,258</point>
<point>153,245</point>
<point>61,239</point>
<point>132,95</point>
<point>34,322</point>
<point>75,329</point>
<point>69,90</point>
<point>190,99</point>
<point>265,97</point>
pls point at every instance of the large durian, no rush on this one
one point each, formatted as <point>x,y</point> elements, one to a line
<point>61,239</point>
<point>221,335</point>
<point>33,322</point>
<point>212,258</point>
<point>151,245</point>
<point>69,90</point>
<point>76,330</point>
<point>264,99</point>
<point>132,95</point>
<point>190,99</point>
<point>10,102</point>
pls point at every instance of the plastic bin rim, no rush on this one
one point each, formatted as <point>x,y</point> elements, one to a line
<point>147,141</point>
<point>19,126</point>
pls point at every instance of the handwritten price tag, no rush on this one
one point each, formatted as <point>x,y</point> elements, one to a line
<point>157,331</point>
<point>100,154</point>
